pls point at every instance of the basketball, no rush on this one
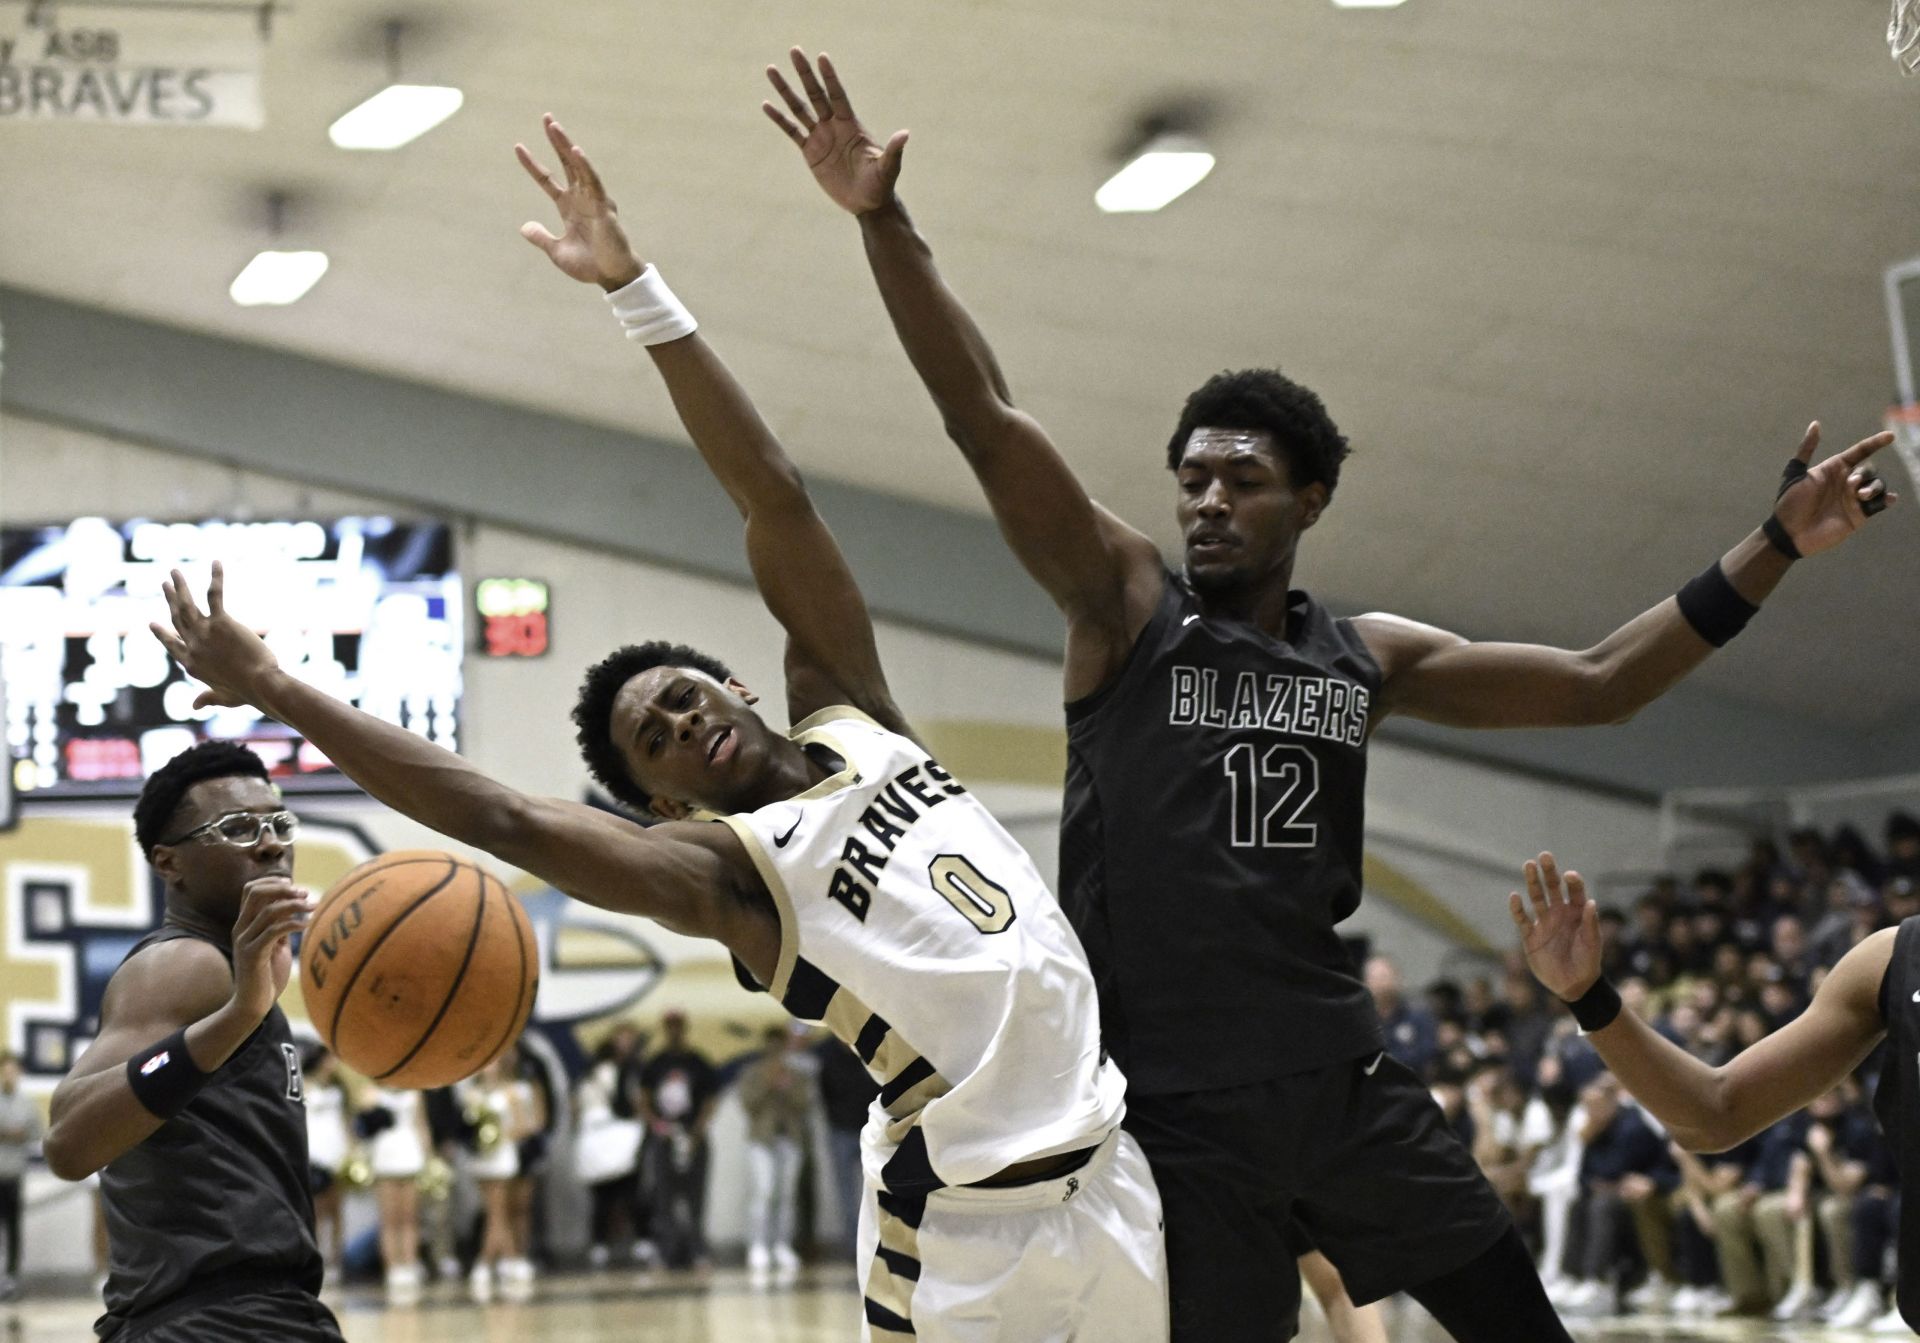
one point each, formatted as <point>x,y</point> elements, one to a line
<point>418,968</point>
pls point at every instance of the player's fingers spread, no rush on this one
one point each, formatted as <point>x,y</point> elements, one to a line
<point>1536,892</point>
<point>538,172</point>
<point>784,122</point>
<point>168,640</point>
<point>815,94</point>
<point>1518,908</point>
<point>1809,442</point>
<point>1576,889</point>
<point>537,235</point>
<point>836,92</point>
<point>1866,447</point>
<point>896,147</point>
<point>1550,876</point>
<point>217,590</point>
<point>792,99</point>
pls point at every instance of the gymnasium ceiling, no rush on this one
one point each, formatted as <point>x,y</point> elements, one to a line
<point>1571,276</point>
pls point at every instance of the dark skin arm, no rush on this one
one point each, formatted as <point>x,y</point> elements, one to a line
<point>1431,674</point>
<point>1706,1109</point>
<point>1105,576</point>
<point>802,575</point>
<point>186,984</point>
<point>693,878</point>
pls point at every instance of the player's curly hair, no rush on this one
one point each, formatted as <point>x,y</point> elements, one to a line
<point>593,714</point>
<point>161,797</point>
<point>1265,398</point>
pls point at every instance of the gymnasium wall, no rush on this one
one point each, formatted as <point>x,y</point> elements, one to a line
<point>1445,835</point>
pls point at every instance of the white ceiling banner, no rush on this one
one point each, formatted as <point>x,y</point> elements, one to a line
<point>157,63</point>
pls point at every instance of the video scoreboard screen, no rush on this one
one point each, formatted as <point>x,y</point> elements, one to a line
<point>368,609</point>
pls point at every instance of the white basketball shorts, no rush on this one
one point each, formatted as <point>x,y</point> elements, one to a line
<point>1078,1258</point>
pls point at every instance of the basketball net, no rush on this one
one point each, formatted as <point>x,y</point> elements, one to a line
<point>1903,35</point>
<point>1904,421</point>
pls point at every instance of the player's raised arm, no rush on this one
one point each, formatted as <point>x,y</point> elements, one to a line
<point>689,877</point>
<point>180,986</point>
<point>797,564</point>
<point>1705,1108</point>
<point>1095,567</point>
<point>1429,673</point>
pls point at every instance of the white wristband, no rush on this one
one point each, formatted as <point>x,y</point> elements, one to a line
<point>648,312</point>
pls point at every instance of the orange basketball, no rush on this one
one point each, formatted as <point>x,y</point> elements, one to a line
<point>419,968</point>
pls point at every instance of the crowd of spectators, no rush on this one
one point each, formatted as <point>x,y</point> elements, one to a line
<point>1798,1222</point>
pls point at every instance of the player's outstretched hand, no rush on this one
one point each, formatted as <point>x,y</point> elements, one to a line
<point>856,170</point>
<point>592,247</point>
<point>211,645</point>
<point>1833,500</point>
<point>1562,937</point>
<point>272,910</point>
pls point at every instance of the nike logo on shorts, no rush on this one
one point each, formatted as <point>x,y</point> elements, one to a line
<point>1374,1067</point>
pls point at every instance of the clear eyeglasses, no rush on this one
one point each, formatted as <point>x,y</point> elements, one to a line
<point>244,829</point>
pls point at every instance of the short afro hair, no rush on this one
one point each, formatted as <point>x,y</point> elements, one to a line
<point>593,714</point>
<point>161,797</point>
<point>1265,398</point>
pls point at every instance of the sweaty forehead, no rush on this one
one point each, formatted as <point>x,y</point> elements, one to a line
<point>1211,444</point>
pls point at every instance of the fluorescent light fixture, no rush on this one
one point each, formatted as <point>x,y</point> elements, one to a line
<point>1367,4</point>
<point>278,277</point>
<point>1169,166</point>
<point>395,115</point>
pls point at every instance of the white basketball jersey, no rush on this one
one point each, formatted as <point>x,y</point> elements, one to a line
<point>916,929</point>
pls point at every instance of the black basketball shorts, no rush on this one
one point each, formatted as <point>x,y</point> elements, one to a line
<point>284,1315</point>
<point>1355,1158</point>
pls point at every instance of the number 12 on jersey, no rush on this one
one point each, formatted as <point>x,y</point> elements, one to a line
<point>1285,778</point>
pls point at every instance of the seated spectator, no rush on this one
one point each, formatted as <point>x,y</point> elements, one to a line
<point>1839,1145</point>
<point>1526,1023</point>
<point>1705,1180</point>
<point>1626,1177</point>
<point>1509,1132</point>
<point>1411,1031</point>
<point>1875,1228</point>
<point>1753,1226</point>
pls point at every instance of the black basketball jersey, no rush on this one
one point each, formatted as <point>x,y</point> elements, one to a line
<point>220,1190</point>
<point>1896,1102</point>
<point>1211,841</point>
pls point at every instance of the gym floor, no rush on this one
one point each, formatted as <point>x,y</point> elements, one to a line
<point>723,1308</point>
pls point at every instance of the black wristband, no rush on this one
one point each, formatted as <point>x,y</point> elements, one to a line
<point>1714,607</point>
<point>1597,1008</point>
<point>1795,472</point>
<point>1782,540</point>
<point>164,1077</point>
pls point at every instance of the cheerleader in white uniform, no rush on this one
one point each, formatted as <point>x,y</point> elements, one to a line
<point>326,1101</point>
<point>395,1126</point>
<point>503,1106</point>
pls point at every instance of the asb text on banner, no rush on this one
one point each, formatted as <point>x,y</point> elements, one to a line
<point>133,64</point>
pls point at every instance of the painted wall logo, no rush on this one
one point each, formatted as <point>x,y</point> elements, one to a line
<point>75,897</point>
<point>592,964</point>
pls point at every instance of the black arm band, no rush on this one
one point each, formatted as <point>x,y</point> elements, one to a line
<point>164,1077</point>
<point>1597,1008</point>
<point>1782,540</point>
<point>1714,607</point>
